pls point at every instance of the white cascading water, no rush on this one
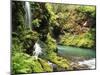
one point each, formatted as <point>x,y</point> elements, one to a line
<point>90,63</point>
<point>28,14</point>
<point>37,51</point>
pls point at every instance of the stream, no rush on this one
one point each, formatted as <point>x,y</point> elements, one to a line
<point>81,58</point>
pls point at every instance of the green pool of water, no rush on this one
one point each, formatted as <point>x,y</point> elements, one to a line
<point>68,51</point>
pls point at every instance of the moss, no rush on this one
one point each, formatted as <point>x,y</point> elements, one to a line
<point>19,63</point>
<point>59,61</point>
<point>37,67</point>
<point>83,40</point>
<point>24,40</point>
<point>23,63</point>
<point>45,65</point>
<point>50,44</point>
<point>16,46</point>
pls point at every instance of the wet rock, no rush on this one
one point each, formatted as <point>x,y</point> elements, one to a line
<point>83,65</point>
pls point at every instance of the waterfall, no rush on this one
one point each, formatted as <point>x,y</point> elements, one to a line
<point>28,15</point>
<point>37,51</point>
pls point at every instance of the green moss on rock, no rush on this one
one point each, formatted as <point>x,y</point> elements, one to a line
<point>50,44</point>
<point>45,65</point>
<point>59,61</point>
<point>37,67</point>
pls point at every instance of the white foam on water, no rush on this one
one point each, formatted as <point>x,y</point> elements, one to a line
<point>37,51</point>
<point>90,63</point>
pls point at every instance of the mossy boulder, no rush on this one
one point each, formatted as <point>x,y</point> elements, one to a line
<point>20,64</point>
<point>59,61</point>
<point>50,44</point>
<point>24,63</point>
<point>37,67</point>
<point>45,65</point>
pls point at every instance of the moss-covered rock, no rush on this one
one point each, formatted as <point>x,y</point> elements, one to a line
<point>36,66</point>
<point>45,65</point>
<point>23,63</point>
<point>50,44</point>
<point>59,61</point>
<point>19,64</point>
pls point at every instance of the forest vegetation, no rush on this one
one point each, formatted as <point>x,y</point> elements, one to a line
<point>52,24</point>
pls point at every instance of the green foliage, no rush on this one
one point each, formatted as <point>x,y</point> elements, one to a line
<point>36,22</point>
<point>37,67</point>
<point>53,16</point>
<point>23,63</point>
<point>45,65</point>
<point>18,13</point>
<point>90,10</point>
<point>26,37</point>
<point>82,40</point>
<point>25,33</point>
<point>50,44</point>
<point>49,20</point>
<point>17,46</point>
<point>59,61</point>
<point>19,64</point>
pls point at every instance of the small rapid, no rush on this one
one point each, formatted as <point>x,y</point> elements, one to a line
<point>89,63</point>
<point>37,51</point>
<point>81,58</point>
